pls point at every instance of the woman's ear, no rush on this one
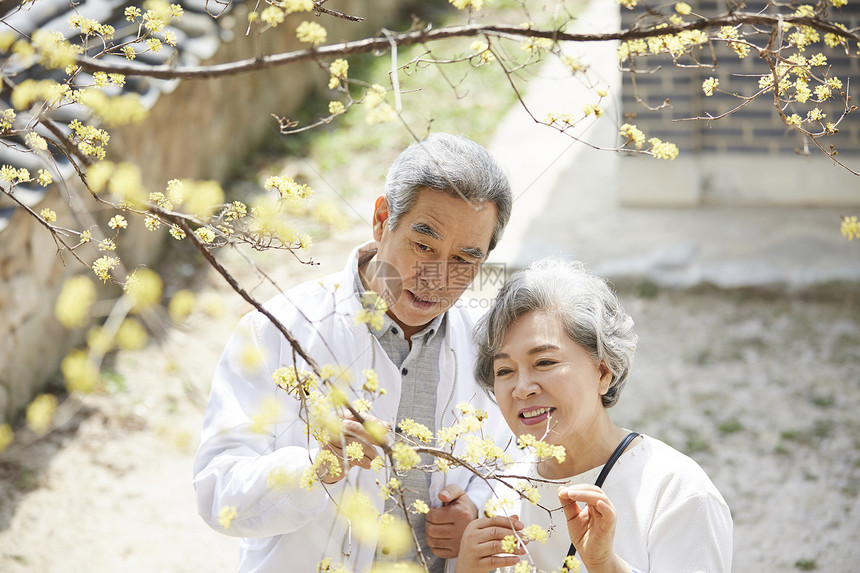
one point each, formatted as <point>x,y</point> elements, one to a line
<point>605,378</point>
<point>380,216</point>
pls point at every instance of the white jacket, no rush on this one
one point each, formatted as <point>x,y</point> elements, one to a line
<point>293,529</point>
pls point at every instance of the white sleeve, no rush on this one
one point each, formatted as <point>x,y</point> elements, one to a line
<point>236,455</point>
<point>693,536</point>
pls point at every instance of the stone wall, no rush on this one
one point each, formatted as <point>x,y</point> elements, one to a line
<point>195,129</point>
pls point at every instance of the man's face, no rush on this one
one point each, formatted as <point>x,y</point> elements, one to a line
<point>431,256</point>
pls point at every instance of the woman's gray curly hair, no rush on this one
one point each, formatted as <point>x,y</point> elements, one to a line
<point>589,310</point>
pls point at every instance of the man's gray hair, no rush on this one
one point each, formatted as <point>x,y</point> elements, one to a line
<point>589,310</point>
<point>453,164</point>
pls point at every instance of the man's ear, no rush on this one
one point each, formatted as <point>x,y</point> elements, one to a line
<point>380,216</point>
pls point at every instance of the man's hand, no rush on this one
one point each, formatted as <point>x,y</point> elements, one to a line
<point>352,431</point>
<point>482,544</point>
<point>446,524</point>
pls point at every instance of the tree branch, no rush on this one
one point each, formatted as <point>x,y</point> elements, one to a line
<point>429,35</point>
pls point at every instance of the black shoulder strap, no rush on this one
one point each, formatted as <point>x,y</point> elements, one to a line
<point>605,471</point>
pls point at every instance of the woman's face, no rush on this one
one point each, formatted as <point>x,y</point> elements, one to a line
<point>546,384</point>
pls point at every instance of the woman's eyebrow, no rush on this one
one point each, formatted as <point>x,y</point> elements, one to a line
<point>535,350</point>
<point>542,348</point>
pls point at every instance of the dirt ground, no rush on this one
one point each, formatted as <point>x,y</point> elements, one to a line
<point>761,388</point>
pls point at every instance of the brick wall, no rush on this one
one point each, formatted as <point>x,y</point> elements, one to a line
<point>723,160</point>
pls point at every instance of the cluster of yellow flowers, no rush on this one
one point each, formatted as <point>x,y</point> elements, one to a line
<point>850,228</point>
<point>484,451</point>
<point>541,449</point>
<point>294,382</point>
<point>413,429</point>
<point>475,5</point>
<point>469,421</point>
<point>378,110</point>
<point>373,310</point>
<point>483,55</point>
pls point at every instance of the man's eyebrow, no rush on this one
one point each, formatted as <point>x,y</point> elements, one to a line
<point>473,252</point>
<point>426,229</point>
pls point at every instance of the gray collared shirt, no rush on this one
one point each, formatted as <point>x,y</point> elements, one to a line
<point>419,372</point>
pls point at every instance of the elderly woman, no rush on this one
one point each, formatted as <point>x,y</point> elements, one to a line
<point>555,350</point>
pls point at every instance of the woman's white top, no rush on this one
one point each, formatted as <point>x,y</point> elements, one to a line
<point>671,518</point>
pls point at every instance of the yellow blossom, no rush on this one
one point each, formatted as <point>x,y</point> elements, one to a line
<point>132,13</point>
<point>443,465</point>
<point>103,266</point>
<point>663,149</point>
<point>633,135</point>
<point>202,198</point>
<point>288,188</point>
<point>815,114</point>
<point>371,383</point>
<point>297,5</point>
<point>377,463</point>
<point>226,516</point>
<point>48,215</point>
<point>395,537</point>
<point>107,245</point>
<point>709,85</point>
<point>35,141</point>
<point>40,412</point>
<point>413,429</point>
<point>131,335</point>
<point>529,492</point>
<point>629,4</point>
<point>850,228</point>
<point>44,178</point>
<point>405,457</point>
<point>571,564</point>
<point>144,287</point>
<point>272,15</point>
<point>683,8</point>
<point>181,305</point>
<point>463,4</point>
<point>205,234</point>
<point>420,506</point>
<point>7,117</point>
<point>7,436</point>
<point>378,110</point>
<point>311,33</point>
<point>535,533</point>
<point>510,543</point>
<point>354,451</point>
<point>336,108</point>
<point>339,68</point>
<point>524,567</point>
<point>266,416</point>
<point>118,222</point>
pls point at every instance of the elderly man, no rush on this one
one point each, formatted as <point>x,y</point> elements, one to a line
<point>445,205</point>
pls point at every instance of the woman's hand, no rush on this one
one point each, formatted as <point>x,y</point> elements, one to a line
<point>591,528</point>
<point>482,542</point>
